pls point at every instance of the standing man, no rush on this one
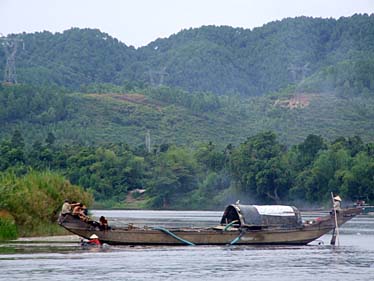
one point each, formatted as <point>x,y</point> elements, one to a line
<point>337,203</point>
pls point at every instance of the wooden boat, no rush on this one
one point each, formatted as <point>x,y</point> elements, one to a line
<point>240,224</point>
<point>366,208</point>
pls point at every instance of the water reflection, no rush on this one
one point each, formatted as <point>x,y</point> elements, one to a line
<point>63,259</point>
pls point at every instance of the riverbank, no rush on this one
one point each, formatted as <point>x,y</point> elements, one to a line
<point>41,244</point>
<point>51,239</point>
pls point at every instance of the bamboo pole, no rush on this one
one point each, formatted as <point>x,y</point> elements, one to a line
<point>335,234</point>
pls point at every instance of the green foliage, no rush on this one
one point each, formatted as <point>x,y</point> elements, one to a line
<point>36,198</point>
<point>197,102</point>
<point>218,59</point>
<point>175,174</point>
<point>35,104</point>
<point>259,170</point>
<point>110,171</point>
<point>175,116</point>
<point>73,58</point>
<point>195,87</point>
<point>359,179</point>
<point>8,228</point>
<point>354,77</point>
<point>308,150</point>
<point>258,167</point>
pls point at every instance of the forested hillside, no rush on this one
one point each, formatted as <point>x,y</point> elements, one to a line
<point>277,114</point>
<point>222,60</point>
<point>173,116</point>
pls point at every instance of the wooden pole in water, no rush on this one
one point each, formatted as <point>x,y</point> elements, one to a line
<point>335,233</point>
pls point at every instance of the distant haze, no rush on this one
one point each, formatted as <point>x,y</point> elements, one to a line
<point>137,23</point>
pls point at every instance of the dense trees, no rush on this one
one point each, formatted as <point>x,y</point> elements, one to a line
<point>109,171</point>
<point>261,169</point>
<point>41,105</point>
<point>347,78</point>
<point>73,58</point>
<point>221,60</point>
<point>174,175</point>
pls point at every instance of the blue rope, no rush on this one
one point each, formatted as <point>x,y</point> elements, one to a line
<point>237,238</point>
<point>175,236</point>
<point>229,225</point>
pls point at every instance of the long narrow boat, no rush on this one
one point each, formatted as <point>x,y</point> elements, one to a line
<point>240,224</point>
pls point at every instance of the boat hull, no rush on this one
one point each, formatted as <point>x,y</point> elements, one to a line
<point>202,237</point>
<point>301,235</point>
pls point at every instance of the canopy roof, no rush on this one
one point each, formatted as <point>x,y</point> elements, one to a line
<point>265,215</point>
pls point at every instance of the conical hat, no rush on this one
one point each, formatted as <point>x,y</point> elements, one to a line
<point>337,198</point>
<point>94,236</point>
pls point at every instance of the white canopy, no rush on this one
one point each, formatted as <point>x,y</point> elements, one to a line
<point>275,210</point>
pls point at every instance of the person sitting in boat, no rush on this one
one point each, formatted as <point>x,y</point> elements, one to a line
<point>78,211</point>
<point>360,203</point>
<point>66,207</point>
<point>337,203</point>
<point>103,223</point>
<point>84,210</point>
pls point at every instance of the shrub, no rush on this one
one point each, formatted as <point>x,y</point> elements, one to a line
<point>35,199</point>
<point>8,228</point>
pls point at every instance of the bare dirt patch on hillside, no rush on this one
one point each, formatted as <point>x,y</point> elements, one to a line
<point>300,100</point>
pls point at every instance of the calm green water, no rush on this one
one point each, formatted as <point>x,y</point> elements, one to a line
<point>63,259</point>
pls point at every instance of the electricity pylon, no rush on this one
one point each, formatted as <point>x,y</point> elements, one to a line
<point>156,78</point>
<point>148,141</point>
<point>10,46</point>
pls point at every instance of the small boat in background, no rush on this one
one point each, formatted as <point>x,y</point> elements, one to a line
<point>240,225</point>
<point>366,208</point>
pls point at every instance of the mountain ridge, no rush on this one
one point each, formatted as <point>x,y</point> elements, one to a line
<point>217,59</point>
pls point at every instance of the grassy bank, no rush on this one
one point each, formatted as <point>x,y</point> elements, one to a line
<point>34,201</point>
<point>8,228</point>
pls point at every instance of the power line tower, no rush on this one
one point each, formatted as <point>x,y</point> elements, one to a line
<point>156,78</point>
<point>148,141</point>
<point>10,46</point>
<point>298,73</point>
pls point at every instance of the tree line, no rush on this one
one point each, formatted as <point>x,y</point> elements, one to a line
<point>204,176</point>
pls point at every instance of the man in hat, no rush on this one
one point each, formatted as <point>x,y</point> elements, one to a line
<point>337,203</point>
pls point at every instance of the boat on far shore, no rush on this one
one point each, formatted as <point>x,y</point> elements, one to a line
<point>367,209</point>
<point>239,225</point>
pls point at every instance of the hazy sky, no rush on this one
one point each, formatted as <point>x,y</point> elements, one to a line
<point>138,22</point>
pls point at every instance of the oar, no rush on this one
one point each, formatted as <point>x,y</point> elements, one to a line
<point>333,238</point>
<point>335,233</point>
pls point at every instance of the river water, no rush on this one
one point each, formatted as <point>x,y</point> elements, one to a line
<point>61,258</point>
